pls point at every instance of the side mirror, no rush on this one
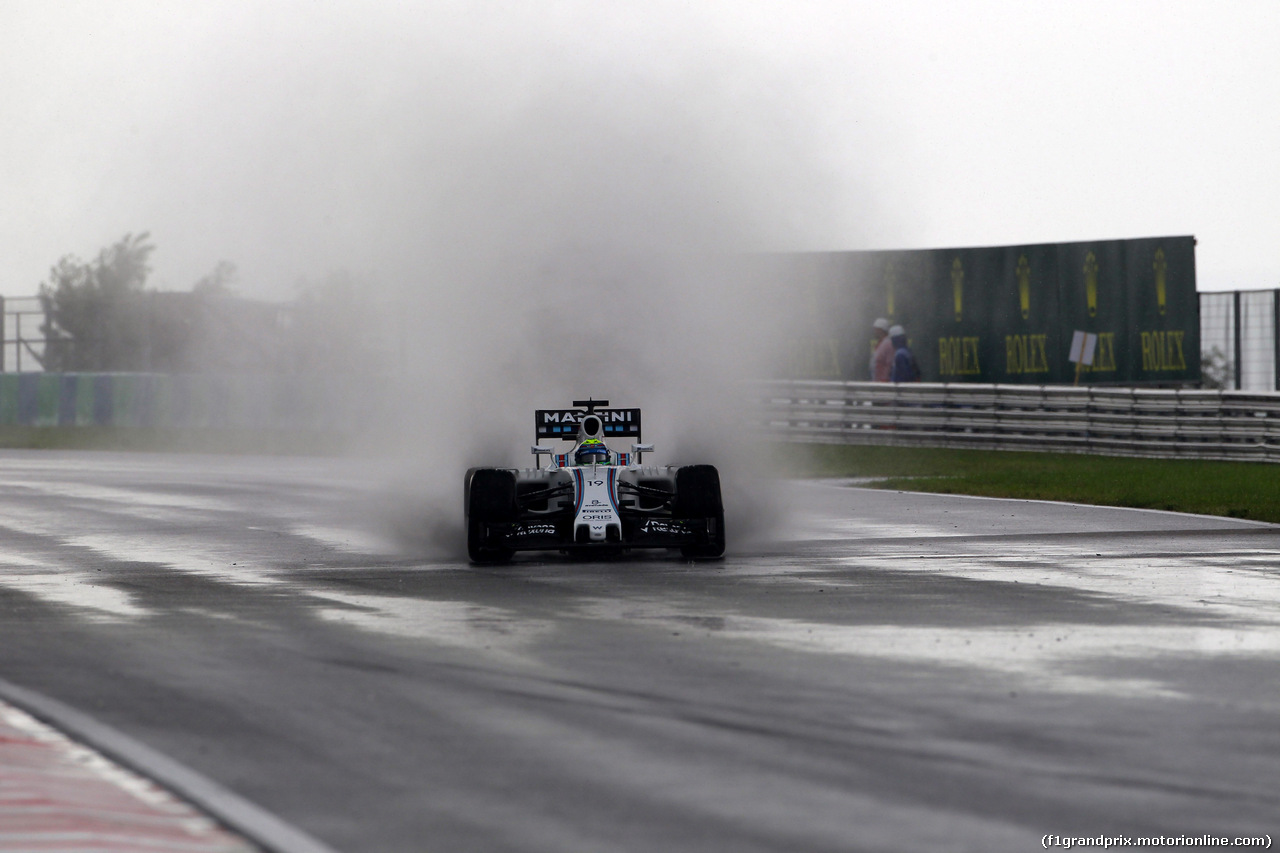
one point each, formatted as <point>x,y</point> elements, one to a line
<point>639,449</point>
<point>538,450</point>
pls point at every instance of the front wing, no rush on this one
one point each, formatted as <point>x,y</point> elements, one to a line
<point>646,531</point>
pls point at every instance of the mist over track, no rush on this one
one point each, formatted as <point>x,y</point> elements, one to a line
<point>891,672</point>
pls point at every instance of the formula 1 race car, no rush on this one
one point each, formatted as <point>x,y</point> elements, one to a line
<point>591,498</point>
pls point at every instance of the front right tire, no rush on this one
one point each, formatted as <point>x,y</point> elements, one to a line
<point>490,497</point>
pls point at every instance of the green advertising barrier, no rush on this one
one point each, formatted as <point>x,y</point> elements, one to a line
<point>1092,300</point>
<point>1006,314</point>
<point>1160,279</point>
<point>1026,324</point>
<point>192,401</point>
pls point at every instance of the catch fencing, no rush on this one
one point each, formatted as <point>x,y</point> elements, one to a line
<point>1189,423</point>
<point>1238,339</point>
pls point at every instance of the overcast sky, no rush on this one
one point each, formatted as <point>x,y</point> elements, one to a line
<point>298,138</point>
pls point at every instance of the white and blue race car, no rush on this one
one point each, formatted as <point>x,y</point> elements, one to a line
<point>591,498</point>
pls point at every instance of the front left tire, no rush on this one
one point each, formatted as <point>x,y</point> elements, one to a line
<point>698,497</point>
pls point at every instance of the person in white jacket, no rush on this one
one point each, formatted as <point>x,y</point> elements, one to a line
<point>882,355</point>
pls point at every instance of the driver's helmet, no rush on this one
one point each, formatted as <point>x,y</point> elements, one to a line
<point>592,452</point>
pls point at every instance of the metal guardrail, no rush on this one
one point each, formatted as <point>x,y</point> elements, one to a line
<point>1192,424</point>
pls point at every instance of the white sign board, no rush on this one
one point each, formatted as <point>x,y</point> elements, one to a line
<point>1083,346</point>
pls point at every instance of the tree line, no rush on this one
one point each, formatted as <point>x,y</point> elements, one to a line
<point>101,316</point>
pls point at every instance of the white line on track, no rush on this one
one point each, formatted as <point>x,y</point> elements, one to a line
<point>82,797</point>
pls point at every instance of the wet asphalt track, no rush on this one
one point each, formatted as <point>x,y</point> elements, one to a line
<point>906,673</point>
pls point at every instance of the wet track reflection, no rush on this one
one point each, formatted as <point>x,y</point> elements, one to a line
<point>897,672</point>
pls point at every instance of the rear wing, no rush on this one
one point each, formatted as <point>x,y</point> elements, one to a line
<point>563,423</point>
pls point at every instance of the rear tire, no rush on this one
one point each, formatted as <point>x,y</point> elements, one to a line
<point>490,497</point>
<point>698,496</point>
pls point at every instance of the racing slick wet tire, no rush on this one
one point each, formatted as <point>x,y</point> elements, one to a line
<point>490,498</point>
<point>698,496</point>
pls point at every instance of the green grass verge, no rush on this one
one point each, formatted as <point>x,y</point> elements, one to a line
<point>1234,489</point>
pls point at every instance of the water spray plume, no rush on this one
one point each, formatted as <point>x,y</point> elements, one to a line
<point>587,232</point>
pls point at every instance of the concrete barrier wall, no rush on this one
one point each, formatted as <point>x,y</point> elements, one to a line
<point>1190,423</point>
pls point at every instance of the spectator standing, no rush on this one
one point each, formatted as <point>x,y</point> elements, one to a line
<point>882,355</point>
<point>905,368</point>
